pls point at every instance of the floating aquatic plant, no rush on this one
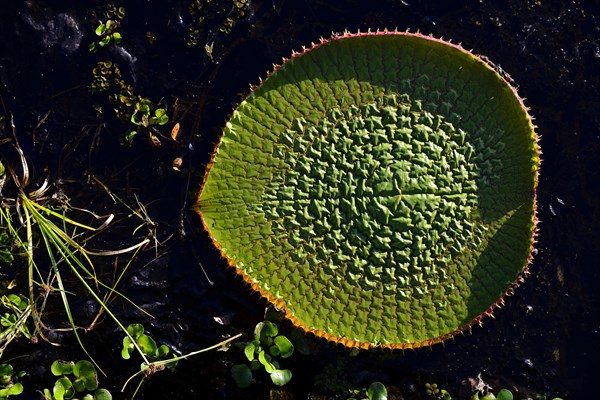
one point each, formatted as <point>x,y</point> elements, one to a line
<point>379,188</point>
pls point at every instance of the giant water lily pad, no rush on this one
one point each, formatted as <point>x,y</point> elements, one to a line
<point>379,188</point>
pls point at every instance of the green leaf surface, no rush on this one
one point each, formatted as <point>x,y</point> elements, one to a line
<point>129,135</point>
<point>6,371</point>
<point>281,376</point>
<point>135,330</point>
<point>147,344</point>
<point>377,391</point>
<point>249,350</point>
<point>380,188</point>
<point>79,385</point>
<point>162,351</point>
<point>285,347</point>
<point>86,371</point>
<point>116,37</point>
<point>242,375</point>
<point>102,394</point>
<point>127,349</point>
<point>266,361</point>
<point>60,367</point>
<point>11,390</point>
<point>63,389</point>
<point>265,330</point>
<point>100,29</point>
<point>504,394</point>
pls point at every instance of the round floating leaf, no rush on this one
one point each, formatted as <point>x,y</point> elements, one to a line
<point>274,351</point>
<point>79,385</point>
<point>11,390</point>
<point>60,367</point>
<point>102,394</point>
<point>242,375</point>
<point>265,330</point>
<point>281,376</point>
<point>147,344</point>
<point>377,391</point>
<point>249,350</point>
<point>85,371</point>
<point>285,347</point>
<point>63,389</point>
<point>162,351</point>
<point>15,389</point>
<point>265,360</point>
<point>135,330</point>
<point>6,371</point>
<point>379,188</point>
<point>255,365</point>
<point>504,394</point>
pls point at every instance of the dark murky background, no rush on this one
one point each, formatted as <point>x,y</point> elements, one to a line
<point>546,339</point>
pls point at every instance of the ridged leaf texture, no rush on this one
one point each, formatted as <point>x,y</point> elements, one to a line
<point>380,188</point>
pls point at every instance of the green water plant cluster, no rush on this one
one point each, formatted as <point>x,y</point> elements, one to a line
<point>148,346</point>
<point>107,31</point>
<point>15,310</point>
<point>129,107</point>
<point>146,117</point>
<point>9,385</point>
<point>264,352</point>
<point>6,242</point>
<point>107,78</point>
<point>6,255</point>
<point>434,392</point>
<point>156,357</point>
<point>214,15</point>
<point>75,381</point>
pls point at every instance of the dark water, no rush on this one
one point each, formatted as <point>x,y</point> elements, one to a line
<point>547,337</point>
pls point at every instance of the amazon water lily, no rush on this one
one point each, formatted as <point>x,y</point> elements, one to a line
<point>379,188</point>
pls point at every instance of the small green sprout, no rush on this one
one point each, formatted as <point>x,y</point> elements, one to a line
<point>209,16</point>
<point>75,379</point>
<point>16,305</point>
<point>107,31</point>
<point>113,12</point>
<point>146,117</point>
<point>156,358</point>
<point>146,344</point>
<point>128,107</point>
<point>6,255</point>
<point>8,386</point>
<point>15,310</point>
<point>142,116</point>
<point>264,352</point>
